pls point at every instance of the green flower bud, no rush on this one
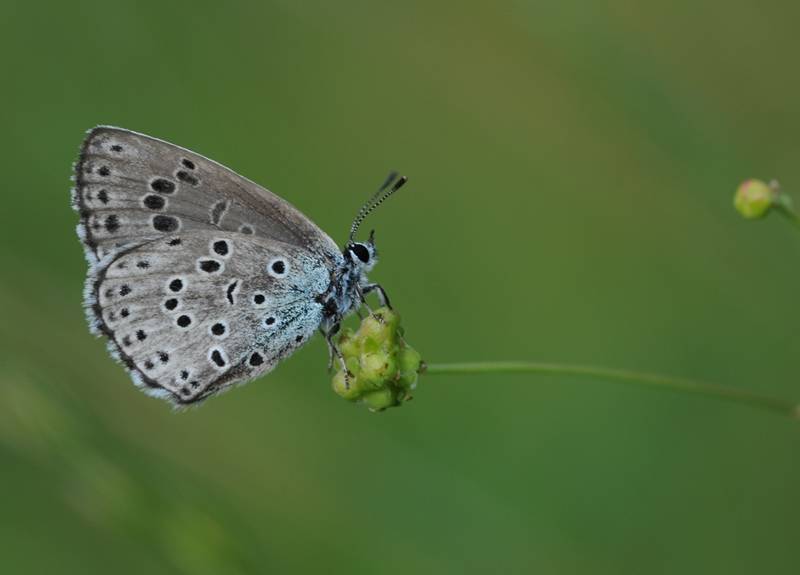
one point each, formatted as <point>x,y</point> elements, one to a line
<point>383,367</point>
<point>753,199</point>
<point>348,344</point>
<point>376,327</point>
<point>377,369</point>
<point>353,365</point>
<point>407,381</point>
<point>389,318</point>
<point>375,345</point>
<point>341,389</point>
<point>410,360</point>
<point>380,399</point>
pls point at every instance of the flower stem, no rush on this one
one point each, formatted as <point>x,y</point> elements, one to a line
<point>790,215</point>
<point>752,399</point>
<point>783,203</point>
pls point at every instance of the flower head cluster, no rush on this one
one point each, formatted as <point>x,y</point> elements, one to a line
<point>383,368</point>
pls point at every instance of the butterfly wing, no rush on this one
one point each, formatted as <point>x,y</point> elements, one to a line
<point>191,314</point>
<point>152,213</point>
<point>131,187</point>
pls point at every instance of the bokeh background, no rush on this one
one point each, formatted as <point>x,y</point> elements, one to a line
<point>571,171</point>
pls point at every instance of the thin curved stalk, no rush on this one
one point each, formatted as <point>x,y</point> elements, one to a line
<point>743,397</point>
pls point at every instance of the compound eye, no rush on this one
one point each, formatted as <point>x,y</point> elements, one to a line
<point>361,252</point>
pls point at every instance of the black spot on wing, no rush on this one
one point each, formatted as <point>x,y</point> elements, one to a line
<point>209,266</point>
<point>165,223</point>
<point>185,176</point>
<point>154,202</point>
<point>230,291</point>
<point>220,247</point>
<point>217,358</point>
<point>112,223</point>
<point>217,211</point>
<point>163,186</point>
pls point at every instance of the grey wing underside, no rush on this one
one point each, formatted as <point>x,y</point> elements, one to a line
<point>146,200</point>
<point>130,187</point>
<point>185,333</point>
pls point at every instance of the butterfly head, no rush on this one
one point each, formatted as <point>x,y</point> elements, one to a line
<point>362,256</point>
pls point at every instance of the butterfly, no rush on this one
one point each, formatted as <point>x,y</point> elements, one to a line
<point>199,278</point>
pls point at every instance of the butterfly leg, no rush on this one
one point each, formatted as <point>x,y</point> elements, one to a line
<point>330,350</point>
<point>363,300</point>
<point>328,335</point>
<point>384,299</point>
<point>334,351</point>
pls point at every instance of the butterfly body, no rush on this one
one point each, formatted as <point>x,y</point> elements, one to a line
<point>199,278</point>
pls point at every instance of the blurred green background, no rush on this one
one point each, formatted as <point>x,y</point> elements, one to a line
<point>571,171</point>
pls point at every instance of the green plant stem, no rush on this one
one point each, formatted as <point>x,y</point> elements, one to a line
<point>791,216</point>
<point>752,399</point>
<point>784,205</point>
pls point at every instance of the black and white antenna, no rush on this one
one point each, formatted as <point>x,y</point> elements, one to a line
<point>390,186</point>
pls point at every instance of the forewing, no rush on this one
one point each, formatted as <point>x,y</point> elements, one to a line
<point>131,187</point>
<point>191,314</point>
